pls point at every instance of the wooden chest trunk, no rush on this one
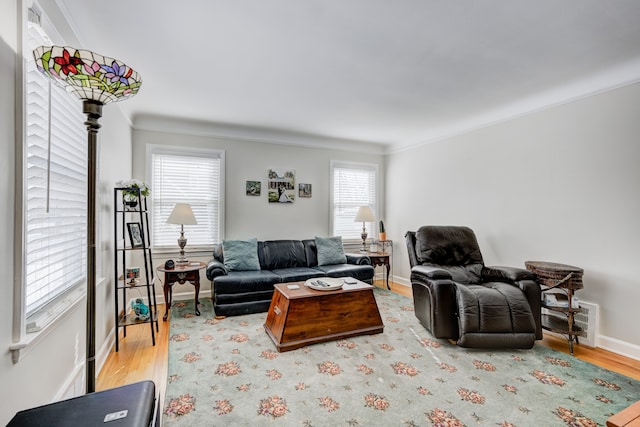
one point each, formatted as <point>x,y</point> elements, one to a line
<point>303,316</point>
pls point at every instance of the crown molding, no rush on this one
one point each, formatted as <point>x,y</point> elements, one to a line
<point>251,134</point>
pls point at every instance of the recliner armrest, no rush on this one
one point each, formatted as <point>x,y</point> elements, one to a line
<point>434,298</point>
<point>512,274</point>
<point>430,272</point>
<point>215,268</point>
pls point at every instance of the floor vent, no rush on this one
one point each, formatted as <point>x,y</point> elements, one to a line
<point>587,320</point>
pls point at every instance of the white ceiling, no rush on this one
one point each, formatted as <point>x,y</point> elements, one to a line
<point>393,72</point>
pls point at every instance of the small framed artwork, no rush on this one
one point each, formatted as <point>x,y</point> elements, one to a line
<point>254,188</point>
<point>304,190</point>
<point>135,234</point>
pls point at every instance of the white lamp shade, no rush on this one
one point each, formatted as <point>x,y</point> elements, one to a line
<point>365,214</point>
<point>182,214</point>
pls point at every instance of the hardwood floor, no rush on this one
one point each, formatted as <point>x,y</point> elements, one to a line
<point>138,360</point>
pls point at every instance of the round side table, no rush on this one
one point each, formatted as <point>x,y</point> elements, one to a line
<point>181,273</point>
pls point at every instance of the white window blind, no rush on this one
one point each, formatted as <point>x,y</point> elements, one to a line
<point>353,185</point>
<point>55,187</point>
<point>195,179</point>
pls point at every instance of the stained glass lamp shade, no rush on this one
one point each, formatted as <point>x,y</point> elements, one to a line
<point>96,80</point>
<point>87,74</point>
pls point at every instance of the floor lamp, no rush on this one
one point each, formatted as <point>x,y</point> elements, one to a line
<point>96,80</point>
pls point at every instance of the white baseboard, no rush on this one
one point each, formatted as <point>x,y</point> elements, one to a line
<point>186,295</point>
<point>402,281</point>
<point>617,346</point>
<point>73,386</point>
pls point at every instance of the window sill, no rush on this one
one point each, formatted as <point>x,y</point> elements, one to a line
<point>51,319</point>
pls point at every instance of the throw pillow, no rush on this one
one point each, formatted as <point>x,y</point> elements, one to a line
<point>330,251</point>
<point>241,255</point>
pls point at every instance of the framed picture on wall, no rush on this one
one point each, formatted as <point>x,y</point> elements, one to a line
<point>254,188</point>
<point>281,185</point>
<point>135,234</point>
<point>304,190</point>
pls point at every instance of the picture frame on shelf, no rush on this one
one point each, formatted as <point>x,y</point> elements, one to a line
<point>133,275</point>
<point>135,234</point>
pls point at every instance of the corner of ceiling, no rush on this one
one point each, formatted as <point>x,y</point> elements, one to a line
<point>624,74</point>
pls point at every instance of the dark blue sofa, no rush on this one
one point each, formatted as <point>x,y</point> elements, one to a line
<point>281,261</point>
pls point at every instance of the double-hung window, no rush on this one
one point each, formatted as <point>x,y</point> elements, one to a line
<point>352,185</point>
<point>54,207</point>
<point>190,176</point>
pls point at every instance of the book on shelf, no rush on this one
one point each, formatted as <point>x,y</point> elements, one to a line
<point>560,300</point>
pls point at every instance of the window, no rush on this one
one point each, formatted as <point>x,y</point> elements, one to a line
<point>352,185</point>
<point>186,176</point>
<point>54,187</point>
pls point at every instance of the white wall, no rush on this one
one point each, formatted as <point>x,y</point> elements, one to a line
<point>250,216</point>
<point>52,368</point>
<point>558,185</point>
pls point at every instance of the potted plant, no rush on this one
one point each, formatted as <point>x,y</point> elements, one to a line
<point>382,235</point>
<point>130,191</point>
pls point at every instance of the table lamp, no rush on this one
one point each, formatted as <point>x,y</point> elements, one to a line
<point>183,215</point>
<point>364,215</point>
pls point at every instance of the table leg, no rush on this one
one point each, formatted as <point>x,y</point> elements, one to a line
<point>388,267</point>
<point>196,285</point>
<point>166,288</point>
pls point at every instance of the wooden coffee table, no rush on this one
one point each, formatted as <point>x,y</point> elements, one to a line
<point>299,317</point>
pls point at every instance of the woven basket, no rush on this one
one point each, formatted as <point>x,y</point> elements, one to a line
<point>551,274</point>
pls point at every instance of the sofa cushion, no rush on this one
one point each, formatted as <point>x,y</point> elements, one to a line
<point>278,254</point>
<point>241,255</point>
<point>245,281</point>
<point>330,250</point>
<point>297,274</point>
<point>311,252</point>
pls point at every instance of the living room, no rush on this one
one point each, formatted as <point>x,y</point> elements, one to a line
<point>551,177</point>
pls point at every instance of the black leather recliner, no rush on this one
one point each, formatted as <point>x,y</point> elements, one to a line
<point>457,297</point>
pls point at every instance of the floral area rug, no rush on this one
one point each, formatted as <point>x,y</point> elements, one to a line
<point>227,372</point>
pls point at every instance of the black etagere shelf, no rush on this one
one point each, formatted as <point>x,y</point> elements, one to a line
<point>132,242</point>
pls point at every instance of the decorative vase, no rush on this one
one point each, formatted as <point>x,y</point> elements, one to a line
<point>131,204</point>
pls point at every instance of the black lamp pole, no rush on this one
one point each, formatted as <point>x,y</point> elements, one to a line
<point>93,110</point>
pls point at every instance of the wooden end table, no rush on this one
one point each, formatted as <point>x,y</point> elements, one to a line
<point>379,258</point>
<point>181,273</point>
<point>302,316</point>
